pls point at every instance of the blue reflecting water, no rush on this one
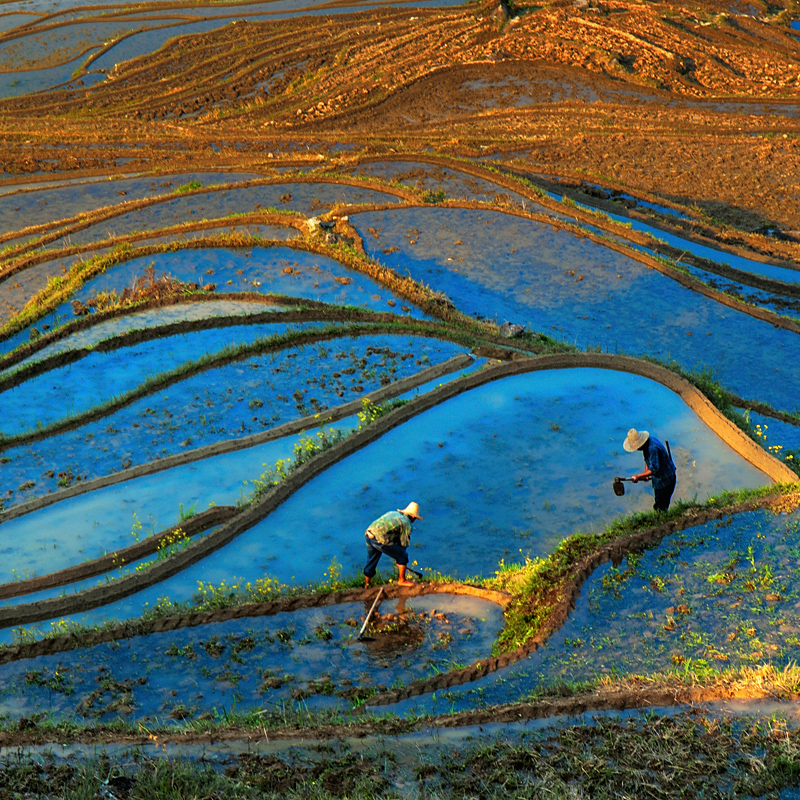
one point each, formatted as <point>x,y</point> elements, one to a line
<point>255,662</point>
<point>507,268</point>
<point>711,253</point>
<point>722,594</point>
<point>310,199</point>
<point>89,525</point>
<point>501,471</point>
<point>267,270</point>
<point>16,84</point>
<point>227,402</point>
<point>497,471</point>
<point>102,376</point>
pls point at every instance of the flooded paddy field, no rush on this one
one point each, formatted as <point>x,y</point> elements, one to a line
<point>219,402</point>
<point>478,480</point>
<point>313,656</point>
<point>510,509</point>
<point>715,597</point>
<point>31,205</point>
<point>512,496</point>
<point>305,198</point>
<point>264,270</point>
<point>723,592</point>
<point>279,288</point>
<point>507,268</point>
<point>112,518</point>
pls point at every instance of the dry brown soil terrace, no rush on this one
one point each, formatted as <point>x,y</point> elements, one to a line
<point>692,102</point>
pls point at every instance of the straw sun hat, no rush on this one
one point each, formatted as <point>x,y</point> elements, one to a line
<point>635,439</point>
<point>411,510</point>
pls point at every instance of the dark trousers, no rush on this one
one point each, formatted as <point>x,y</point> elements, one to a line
<point>664,495</point>
<point>376,550</point>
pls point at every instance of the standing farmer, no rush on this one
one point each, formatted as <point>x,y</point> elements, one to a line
<point>390,534</point>
<point>659,466</point>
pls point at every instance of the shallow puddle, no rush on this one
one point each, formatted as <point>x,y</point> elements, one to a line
<point>525,756</point>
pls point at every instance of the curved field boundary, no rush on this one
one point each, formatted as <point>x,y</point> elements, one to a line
<point>58,228</point>
<point>89,321</point>
<point>726,430</point>
<point>430,302</point>
<point>436,304</point>
<point>138,335</point>
<point>144,627</point>
<point>231,445</point>
<point>26,260</point>
<point>249,516</point>
<point>151,385</point>
<point>606,700</point>
<point>513,181</point>
<point>89,569</point>
<point>189,369</point>
<point>566,596</point>
<point>763,408</point>
<point>683,278</point>
<point>614,698</point>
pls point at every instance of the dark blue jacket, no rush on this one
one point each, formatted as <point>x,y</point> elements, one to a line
<point>659,462</point>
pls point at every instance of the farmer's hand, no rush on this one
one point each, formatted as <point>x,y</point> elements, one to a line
<point>635,478</point>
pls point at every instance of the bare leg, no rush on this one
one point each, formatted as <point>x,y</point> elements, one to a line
<point>366,582</point>
<point>401,578</point>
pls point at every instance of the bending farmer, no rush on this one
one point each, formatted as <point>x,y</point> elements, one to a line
<point>659,466</point>
<point>390,534</point>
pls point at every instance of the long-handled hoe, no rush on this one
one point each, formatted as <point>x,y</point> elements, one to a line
<point>361,637</point>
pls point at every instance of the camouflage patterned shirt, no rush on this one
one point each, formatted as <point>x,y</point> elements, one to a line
<point>392,528</point>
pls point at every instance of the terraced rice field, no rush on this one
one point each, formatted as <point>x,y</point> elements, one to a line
<point>218,368</point>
